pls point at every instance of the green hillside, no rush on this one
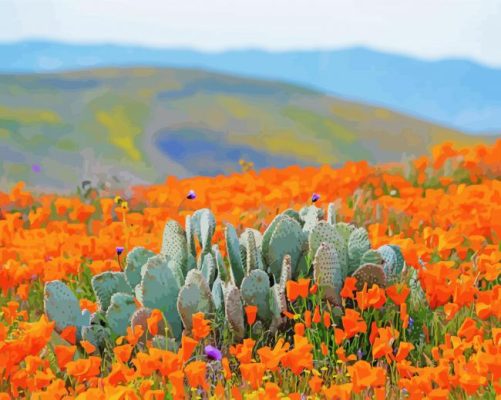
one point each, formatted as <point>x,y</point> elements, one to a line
<point>139,125</point>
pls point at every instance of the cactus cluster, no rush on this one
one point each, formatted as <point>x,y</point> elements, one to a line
<point>179,282</point>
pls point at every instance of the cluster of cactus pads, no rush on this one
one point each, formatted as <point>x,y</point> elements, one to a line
<point>179,282</point>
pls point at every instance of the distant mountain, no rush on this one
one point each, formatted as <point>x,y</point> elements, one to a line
<point>139,125</point>
<point>456,93</point>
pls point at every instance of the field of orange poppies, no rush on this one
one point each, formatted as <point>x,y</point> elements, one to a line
<point>419,321</point>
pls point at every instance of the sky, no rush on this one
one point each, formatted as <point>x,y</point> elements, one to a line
<point>430,29</point>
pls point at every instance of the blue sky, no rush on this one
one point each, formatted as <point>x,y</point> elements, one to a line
<point>424,28</point>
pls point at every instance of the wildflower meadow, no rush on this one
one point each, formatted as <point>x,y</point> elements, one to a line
<point>363,281</point>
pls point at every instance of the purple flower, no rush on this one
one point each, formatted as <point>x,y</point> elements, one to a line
<point>360,354</point>
<point>191,195</point>
<point>315,197</point>
<point>36,168</point>
<point>213,353</point>
<point>411,323</point>
<point>120,250</point>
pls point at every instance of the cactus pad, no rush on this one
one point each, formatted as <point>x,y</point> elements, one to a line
<point>234,312</point>
<point>327,272</point>
<point>255,291</point>
<point>97,335</point>
<point>233,250</point>
<point>323,232</point>
<point>287,238</point>
<point>371,257</point>
<point>134,262</point>
<point>207,229</point>
<point>331,214</point>
<point>371,274</point>
<point>208,269</point>
<point>358,244</point>
<point>107,284</point>
<point>159,289</point>
<point>62,307</point>
<point>120,312</point>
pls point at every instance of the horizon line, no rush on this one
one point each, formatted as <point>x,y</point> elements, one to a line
<point>253,48</point>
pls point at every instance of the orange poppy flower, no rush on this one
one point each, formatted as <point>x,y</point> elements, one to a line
<point>398,293</point>
<point>300,357</point>
<point>69,334</point>
<point>364,376</point>
<point>350,285</point>
<point>251,313</point>
<point>315,384</point>
<point>177,381</point>
<point>88,346</point>
<point>201,326</point>
<point>84,368</point>
<point>64,354</point>
<point>316,315</point>
<point>253,373</point>
<point>123,353</point>
<point>299,328</point>
<point>297,289</point>
<point>353,323</point>
<point>133,335</point>
<point>195,372</point>
<point>403,351</point>
<point>327,319</point>
<point>187,347</point>
<point>155,318</point>
<point>271,358</point>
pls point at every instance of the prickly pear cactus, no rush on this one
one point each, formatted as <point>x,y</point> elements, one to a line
<point>135,260</point>
<point>217,294</point>
<point>358,244</point>
<point>107,284</point>
<point>371,257</point>
<point>97,335</point>
<point>190,236</point>
<point>234,312</point>
<point>370,274</point>
<point>294,215</point>
<point>62,307</point>
<point>331,214</point>
<point>174,245</point>
<point>323,232</point>
<point>278,301</point>
<point>345,230</point>
<point>209,268</point>
<point>255,290</point>
<point>310,215</point>
<point>393,261</point>
<point>252,253</point>
<point>120,312</point>
<point>207,229</point>
<point>327,272</point>
<point>268,233</point>
<point>195,296</point>
<point>159,289</point>
<point>223,272</point>
<point>287,238</point>
<point>233,250</point>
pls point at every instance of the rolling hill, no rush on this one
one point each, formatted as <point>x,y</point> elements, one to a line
<point>452,92</point>
<point>140,124</point>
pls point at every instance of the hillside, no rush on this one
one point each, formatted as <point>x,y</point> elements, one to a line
<point>453,92</point>
<point>139,125</point>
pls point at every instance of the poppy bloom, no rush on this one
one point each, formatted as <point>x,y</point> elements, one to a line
<point>315,197</point>
<point>251,313</point>
<point>191,195</point>
<point>213,353</point>
<point>201,327</point>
